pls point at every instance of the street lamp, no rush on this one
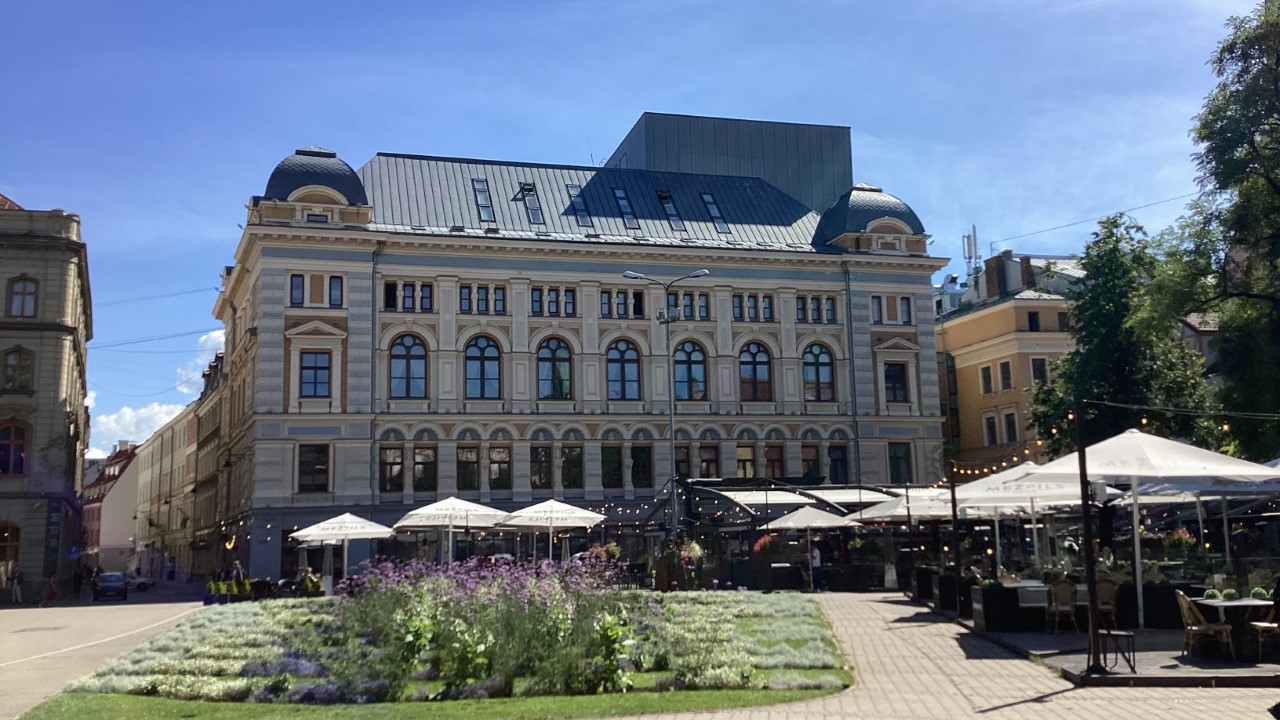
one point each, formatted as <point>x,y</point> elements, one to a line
<point>665,318</point>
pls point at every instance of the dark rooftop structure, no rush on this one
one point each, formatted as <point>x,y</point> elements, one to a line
<point>858,208</point>
<point>314,166</point>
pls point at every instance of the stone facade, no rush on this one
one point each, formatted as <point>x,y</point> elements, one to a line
<point>166,496</point>
<point>45,325</point>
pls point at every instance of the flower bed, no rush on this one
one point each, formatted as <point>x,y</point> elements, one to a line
<point>479,630</point>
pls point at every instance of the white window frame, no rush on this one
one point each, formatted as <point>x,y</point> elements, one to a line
<point>1000,373</point>
<point>315,337</point>
<point>1002,428</point>
<point>877,303</point>
<point>991,371</point>
<point>994,417</point>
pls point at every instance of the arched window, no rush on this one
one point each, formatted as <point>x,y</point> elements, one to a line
<point>13,449</point>
<point>22,297</point>
<point>819,374</point>
<point>484,369</point>
<point>753,374</point>
<point>408,367</point>
<point>555,370</point>
<point>691,371</point>
<point>17,367</point>
<point>623,365</point>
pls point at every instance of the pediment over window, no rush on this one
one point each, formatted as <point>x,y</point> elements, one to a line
<point>900,344</point>
<point>315,328</point>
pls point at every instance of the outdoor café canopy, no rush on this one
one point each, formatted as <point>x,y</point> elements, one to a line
<point>450,514</point>
<point>1016,487</point>
<point>343,528</point>
<point>551,515</point>
<point>810,518</point>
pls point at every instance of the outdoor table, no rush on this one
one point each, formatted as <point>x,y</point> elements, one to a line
<point>1237,618</point>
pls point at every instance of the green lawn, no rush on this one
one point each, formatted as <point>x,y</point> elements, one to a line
<point>79,706</point>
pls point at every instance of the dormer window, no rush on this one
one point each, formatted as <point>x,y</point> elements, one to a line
<point>579,205</point>
<point>624,207</point>
<point>532,206</point>
<point>713,208</point>
<point>484,201</point>
<point>317,217</point>
<point>669,207</point>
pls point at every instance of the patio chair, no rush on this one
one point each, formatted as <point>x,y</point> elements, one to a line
<point>1265,628</point>
<point>1062,601</point>
<point>1107,591</point>
<point>1195,627</point>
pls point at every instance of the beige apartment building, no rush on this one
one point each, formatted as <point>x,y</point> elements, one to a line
<point>163,529</point>
<point>427,327</point>
<point>1011,324</point>
<point>44,425</point>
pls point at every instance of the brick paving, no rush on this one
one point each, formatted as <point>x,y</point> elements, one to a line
<point>909,664</point>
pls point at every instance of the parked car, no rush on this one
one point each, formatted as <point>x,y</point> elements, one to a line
<point>139,583</point>
<point>110,584</point>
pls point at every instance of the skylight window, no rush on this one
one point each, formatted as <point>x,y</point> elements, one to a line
<point>624,207</point>
<point>714,209</point>
<point>532,206</point>
<point>579,205</point>
<point>669,207</point>
<point>484,202</point>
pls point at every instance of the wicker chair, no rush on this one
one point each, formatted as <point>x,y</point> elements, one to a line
<point>1195,627</point>
<point>1107,591</point>
<point>1265,628</point>
<point>1062,601</point>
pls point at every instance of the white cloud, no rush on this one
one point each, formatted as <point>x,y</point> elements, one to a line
<point>91,399</point>
<point>128,423</point>
<point>191,372</point>
<point>94,453</point>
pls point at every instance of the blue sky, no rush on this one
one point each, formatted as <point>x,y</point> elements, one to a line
<point>156,121</point>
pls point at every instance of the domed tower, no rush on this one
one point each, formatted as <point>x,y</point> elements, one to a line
<point>313,185</point>
<point>865,218</point>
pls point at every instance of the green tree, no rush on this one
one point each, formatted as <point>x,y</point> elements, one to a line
<point>1121,356</point>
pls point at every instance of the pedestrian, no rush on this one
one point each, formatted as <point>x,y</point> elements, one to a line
<point>77,581</point>
<point>51,591</point>
<point>15,584</point>
<point>815,567</point>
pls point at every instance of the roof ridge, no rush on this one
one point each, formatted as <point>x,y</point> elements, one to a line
<point>564,166</point>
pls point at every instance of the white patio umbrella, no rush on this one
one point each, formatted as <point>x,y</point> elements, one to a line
<point>344,528</point>
<point>552,514</point>
<point>448,515</point>
<point>1136,459</point>
<point>808,518</point>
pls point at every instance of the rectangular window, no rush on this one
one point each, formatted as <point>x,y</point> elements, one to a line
<point>900,463</point>
<point>704,306</point>
<point>877,310</point>
<point>611,466</point>
<point>424,469</point>
<point>570,303</point>
<point>482,300</point>
<point>541,470</point>
<point>571,467</point>
<point>317,217</point>
<point>468,468</point>
<point>904,310</point>
<point>532,206</point>
<point>407,301</point>
<point>713,209</point>
<point>895,383</point>
<point>1006,375</point>
<point>989,430</point>
<point>313,375</point>
<point>464,299</point>
<point>553,302</point>
<point>686,312</point>
<point>673,304</point>
<point>829,305</point>
<point>335,291</point>
<point>838,462</point>
<point>1033,321</point>
<point>390,296</point>
<point>535,301</point>
<point>624,207</point>
<point>766,308</point>
<point>641,466</point>
<point>1011,427</point>
<point>802,309</point>
<point>984,373</point>
<point>426,301</point>
<point>606,303</point>
<point>579,205</point>
<point>499,468</point>
<point>682,461</point>
<point>297,290</point>
<point>500,301</point>
<point>737,308</point>
<point>637,304</point>
<point>773,468</point>
<point>669,207</point>
<point>753,308</point>
<point>746,457</point>
<point>809,463</point>
<point>484,203</point>
<point>709,461</point>
<point>622,303</point>
<point>313,468</point>
<point>815,310</point>
<point>1040,370</point>
<point>1064,322</point>
<point>391,470</point>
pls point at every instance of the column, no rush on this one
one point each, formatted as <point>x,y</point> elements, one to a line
<point>485,492</point>
<point>407,496</point>
<point>593,473</point>
<point>521,490</point>
<point>557,464</point>
<point>447,470</point>
<point>824,460</point>
<point>728,458</point>
<point>628,490</point>
<point>759,458</point>
<point>695,459</point>
<point>792,463</point>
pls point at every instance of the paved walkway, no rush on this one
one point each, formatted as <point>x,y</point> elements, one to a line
<point>44,649</point>
<point>910,664</point>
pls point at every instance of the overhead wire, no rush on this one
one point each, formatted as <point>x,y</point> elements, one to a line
<point>145,298</point>
<point>154,338</point>
<point>1094,219</point>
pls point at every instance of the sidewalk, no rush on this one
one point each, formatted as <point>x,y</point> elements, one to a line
<point>910,664</point>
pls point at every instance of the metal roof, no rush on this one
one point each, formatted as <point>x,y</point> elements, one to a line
<point>858,207</point>
<point>432,195</point>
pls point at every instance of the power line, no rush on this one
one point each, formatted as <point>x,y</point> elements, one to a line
<point>1094,219</point>
<point>158,352</point>
<point>1187,411</point>
<point>136,341</point>
<point>145,298</point>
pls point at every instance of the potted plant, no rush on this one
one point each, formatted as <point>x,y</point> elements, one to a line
<point>1259,593</point>
<point>1177,543</point>
<point>1211,594</point>
<point>1230,594</point>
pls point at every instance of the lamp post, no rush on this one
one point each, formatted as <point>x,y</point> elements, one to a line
<point>665,318</point>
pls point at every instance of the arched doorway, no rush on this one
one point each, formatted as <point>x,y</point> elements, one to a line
<point>10,544</point>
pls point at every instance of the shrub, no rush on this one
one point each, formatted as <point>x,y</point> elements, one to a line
<point>796,681</point>
<point>1211,594</point>
<point>1259,593</point>
<point>1230,594</point>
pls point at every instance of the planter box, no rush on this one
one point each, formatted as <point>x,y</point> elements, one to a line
<point>947,593</point>
<point>923,587</point>
<point>1159,603</point>
<point>852,578</point>
<point>995,609</point>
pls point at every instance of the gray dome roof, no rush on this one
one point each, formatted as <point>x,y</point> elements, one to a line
<point>858,207</point>
<point>315,166</point>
